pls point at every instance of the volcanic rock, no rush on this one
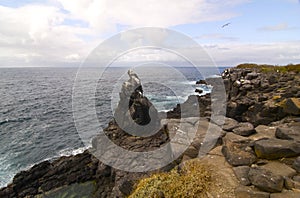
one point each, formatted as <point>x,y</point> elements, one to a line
<point>276,148</point>
<point>250,192</point>
<point>266,180</point>
<point>244,129</point>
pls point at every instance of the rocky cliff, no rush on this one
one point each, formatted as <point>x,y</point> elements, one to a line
<point>261,97</point>
<point>256,151</point>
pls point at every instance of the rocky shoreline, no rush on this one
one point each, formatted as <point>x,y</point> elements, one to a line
<point>257,148</point>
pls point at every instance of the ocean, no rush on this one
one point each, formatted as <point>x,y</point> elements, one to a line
<point>36,115</point>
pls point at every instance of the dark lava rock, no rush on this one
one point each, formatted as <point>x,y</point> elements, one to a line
<point>249,192</point>
<point>238,155</point>
<point>237,151</point>
<point>291,184</point>
<point>296,164</point>
<point>141,110</point>
<point>266,180</point>
<point>194,106</point>
<point>285,195</point>
<point>250,95</point>
<point>289,132</point>
<point>272,79</point>
<point>297,178</point>
<point>244,129</point>
<point>126,187</point>
<point>276,148</point>
<point>241,172</point>
<point>279,169</point>
<point>203,82</point>
<point>263,131</point>
<point>133,112</point>
<point>47,176</point>
<point>251,76</point>
<point>191,152</point>
<point>200,91</point>
<point>229,124</point>
<point>292,106</point>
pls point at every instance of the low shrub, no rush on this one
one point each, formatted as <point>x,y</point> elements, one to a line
<point>192,180</point>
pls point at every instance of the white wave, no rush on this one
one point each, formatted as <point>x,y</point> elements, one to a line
<point>70,151</point>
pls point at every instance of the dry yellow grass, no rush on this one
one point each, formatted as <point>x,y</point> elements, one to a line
<point>192,180</point>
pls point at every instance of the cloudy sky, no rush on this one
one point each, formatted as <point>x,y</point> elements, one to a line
<point>64,32</point>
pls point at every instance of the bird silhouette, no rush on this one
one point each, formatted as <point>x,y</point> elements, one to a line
<point>225,25</point>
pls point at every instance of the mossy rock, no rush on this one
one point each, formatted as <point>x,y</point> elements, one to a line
<point>276,97</point>
<point>290,106</point>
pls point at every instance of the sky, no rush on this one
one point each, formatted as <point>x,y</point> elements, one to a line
<point>64,32</point>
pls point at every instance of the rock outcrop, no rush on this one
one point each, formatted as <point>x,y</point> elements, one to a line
<point>134,110</point>
<point>47,175</point>
<point>256,151</point>
<point>261,97</point>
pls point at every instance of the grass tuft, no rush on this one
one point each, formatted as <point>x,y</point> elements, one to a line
<point>271,68</point>
<point>193,180</point>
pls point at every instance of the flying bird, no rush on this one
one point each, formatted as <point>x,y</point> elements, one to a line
<point>225,25</point>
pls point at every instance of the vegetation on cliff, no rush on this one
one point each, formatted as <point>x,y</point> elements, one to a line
<point>271,68</point>
<point>193,179</point>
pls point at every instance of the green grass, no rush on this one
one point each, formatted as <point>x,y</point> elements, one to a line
<point>271,68</point>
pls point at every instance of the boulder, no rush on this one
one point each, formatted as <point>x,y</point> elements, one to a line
<point>297,178</point>
<point>237,151</point>
<point>194,106</point>
<point>296,164</point>
<point>191,152</point>
<point>289,132</point>
<point>263,131</point>
<point>244,129</point>
<point>238,155</point>
<point>199,91</point>
<point>279,169</point>
<point>276,148</point>
<point>289,194</point>
<point>266,180</point>
<point>230,124</point>
<point>241,172</point>
<point>251,76</point>
<point>126,187</point>
<point>234,138</point>
<point>249,192</point>
<point>273,79</point>
<point>201,82</point>
<point>291,106</point>
<point>290,183</point>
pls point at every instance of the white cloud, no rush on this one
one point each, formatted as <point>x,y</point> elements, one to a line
<point>35,34</point>
<point>73,57</point>
<point>270,53</point>
<point>216,36</point>
<point>226,54</point>
<point>105,14</point>
<point>66,31</point>
<point>149,55</point>
<point>277,27</point>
